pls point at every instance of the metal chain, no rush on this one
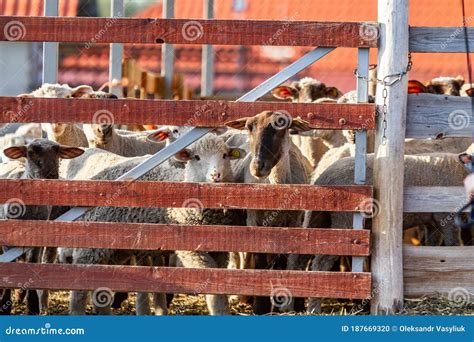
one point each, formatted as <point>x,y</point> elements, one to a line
<point>387,81</point>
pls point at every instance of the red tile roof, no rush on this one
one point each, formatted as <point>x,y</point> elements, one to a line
<point>255,63</point>
<point>67,8</point>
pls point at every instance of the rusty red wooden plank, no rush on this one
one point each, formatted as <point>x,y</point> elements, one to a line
<point>183,31</point>
<point>177,194</point>
<point>186,280</point>
<point>184,237</point>
<point>181,113</point>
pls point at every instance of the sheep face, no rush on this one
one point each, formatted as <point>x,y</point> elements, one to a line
<point>58,129</point>
<point>305,90</point>
<point>42,157</point>
<point>208,160</point>
<point>269,138</point>
<point>101,133</point>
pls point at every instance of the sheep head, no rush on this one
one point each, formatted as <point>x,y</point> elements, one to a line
<point>269,138</point>
<point>42,157</point>
<point>208,160</point>
<point>305,90</point>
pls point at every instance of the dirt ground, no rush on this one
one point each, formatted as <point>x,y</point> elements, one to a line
<point>196,305</point>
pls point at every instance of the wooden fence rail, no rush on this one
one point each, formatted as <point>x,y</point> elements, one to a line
<point>434,199</point>
<point>182,31</point>
<point>440,39</point>
<point>184,237</point>
<point>184,113</point>
<point>431,116</point>
<point>439,270</point>
<point>186,280</point>
<point>177,194</point>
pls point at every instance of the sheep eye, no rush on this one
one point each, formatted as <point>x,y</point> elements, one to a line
<point>175,131</point>
<point>197,157</point>
<point>224,156</point>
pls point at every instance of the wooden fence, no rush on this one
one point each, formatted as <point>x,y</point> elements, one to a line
<point>425,118</point>
<point>145,194</point>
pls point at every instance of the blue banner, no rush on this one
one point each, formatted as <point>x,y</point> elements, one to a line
<point>237,328</point>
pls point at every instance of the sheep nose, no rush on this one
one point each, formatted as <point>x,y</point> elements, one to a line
<point>259,164</point>
<point>104,129</point>
<point>215,176</point>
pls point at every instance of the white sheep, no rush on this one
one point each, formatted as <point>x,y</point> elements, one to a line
<point>163,172</point>
<point>412,146</point>
<point>106,137</point>
<point>208,160</point>
<point>435,169</point>
<point>94,160</point>
<point>62,133</point>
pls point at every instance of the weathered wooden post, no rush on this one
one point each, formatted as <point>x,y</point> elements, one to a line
<point>387,259</point>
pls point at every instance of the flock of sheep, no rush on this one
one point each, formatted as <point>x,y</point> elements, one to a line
<point>270,147</point>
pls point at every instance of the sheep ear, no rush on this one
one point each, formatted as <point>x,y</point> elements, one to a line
<point>184,155</point>
<point>460,80</point>
<point>15,152</point>
<point>81,91</point>
<point>25,95</point>
<point>332,92</point>
<point>299,125</point>
<point>67,152</point>
<point>416,87</point>
<point>285,92</point>
<point>237,124</point>
<point>465,158</point>
<point>159,135</point>
<point>235,153</point>
<point>470,92</point>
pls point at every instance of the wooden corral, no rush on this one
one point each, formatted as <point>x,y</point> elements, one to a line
<point>426,116</point>
<point>355,285</point>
